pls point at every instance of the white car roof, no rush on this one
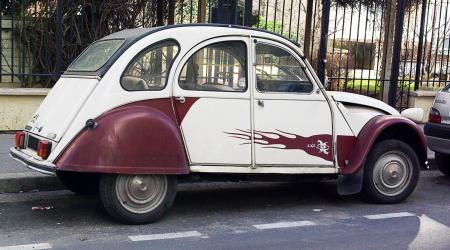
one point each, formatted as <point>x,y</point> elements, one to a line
<point>131,36</point>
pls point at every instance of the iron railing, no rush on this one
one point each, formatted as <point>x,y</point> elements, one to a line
<point>382,48</point>
<point>371,47</point>
<point>41,37</point>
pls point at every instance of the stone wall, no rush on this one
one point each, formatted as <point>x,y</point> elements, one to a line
<point>422,99</point>
<point>17,106</point>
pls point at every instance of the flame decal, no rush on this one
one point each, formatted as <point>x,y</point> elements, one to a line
<point>316,145</point>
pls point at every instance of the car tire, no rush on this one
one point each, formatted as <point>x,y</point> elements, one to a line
<point>443,163</point>
<point>137,199</point>
<point>391,172</point>
<point>79,183</point>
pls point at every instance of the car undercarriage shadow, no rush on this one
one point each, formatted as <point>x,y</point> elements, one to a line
<point>250,196</point>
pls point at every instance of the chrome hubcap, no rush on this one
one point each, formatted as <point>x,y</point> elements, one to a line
<point>392,173</point>
<point>141,193</point>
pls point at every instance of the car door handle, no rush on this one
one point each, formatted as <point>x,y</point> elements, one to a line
<point>181,99</point>
<point>261,103</point>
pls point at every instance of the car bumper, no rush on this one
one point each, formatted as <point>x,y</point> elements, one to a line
<point>438,137</point>
<point>44,167</point>
<point>439,145</point>
<point>438,130</point>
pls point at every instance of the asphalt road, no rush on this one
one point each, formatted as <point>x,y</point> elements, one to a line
<point>237,216</point>
<point>7,164</point>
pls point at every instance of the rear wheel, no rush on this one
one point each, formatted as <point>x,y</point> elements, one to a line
<point>79,183</point>
<point>443,162</point>
<point>137,199</point>
<point>391,172</point>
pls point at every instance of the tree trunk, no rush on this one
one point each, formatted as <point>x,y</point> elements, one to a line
<point>308,29</point>
<point>160,12</point>
<point>201,18</point>
<point>171,19</point>
<point>388,44</point>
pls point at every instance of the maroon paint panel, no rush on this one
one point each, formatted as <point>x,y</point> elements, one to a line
<point>137,138</point>
<point>345,146</point>
<point>316,145</point>
<point>183,108</point>
<point>368,135</point>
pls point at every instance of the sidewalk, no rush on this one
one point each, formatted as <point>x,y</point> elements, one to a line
<point>15,177</point>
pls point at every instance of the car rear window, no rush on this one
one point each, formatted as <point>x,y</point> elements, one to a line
<point>96,55</point>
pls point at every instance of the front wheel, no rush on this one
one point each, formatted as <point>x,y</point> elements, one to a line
<point>137,199</point>
<point>391,172</point>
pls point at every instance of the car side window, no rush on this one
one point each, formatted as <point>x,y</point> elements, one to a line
<point>278,71</point>
<point>219,66</point>
<point>150,69</point>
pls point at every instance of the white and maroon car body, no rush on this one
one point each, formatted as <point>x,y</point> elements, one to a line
<point>91,124</point>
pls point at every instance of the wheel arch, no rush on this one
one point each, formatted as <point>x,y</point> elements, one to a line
<point>377,129</point>
<point>382,127</point>
<point>137,138</point>
<point>408,135</point>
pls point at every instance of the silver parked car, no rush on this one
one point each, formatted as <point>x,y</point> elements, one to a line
<point>437,129</point>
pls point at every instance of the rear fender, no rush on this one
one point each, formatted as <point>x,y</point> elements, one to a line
<point>137,138</point>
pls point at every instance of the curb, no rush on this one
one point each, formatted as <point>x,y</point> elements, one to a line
<point>25,182</point>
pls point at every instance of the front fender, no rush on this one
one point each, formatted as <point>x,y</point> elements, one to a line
<point>388,126</point>
<point>137,138</point>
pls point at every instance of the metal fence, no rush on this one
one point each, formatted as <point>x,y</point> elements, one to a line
<point>405,43</point>
<point>355,55</point>
<point>41,37</point>
<point>371,47</point>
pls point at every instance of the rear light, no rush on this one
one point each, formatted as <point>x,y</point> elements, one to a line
<point>434,116</point>
<point>20,139</point>
<point>44,148</point>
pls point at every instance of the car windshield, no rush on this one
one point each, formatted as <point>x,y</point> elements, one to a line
<point>96,55</point>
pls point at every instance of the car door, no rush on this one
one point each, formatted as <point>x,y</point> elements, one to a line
<point>212,99</point>
<point>292,118</point>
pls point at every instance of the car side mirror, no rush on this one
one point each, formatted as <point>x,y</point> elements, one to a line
<point>414,114</point>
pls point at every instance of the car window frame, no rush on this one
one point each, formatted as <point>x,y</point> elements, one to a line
<point>189,55</point>
<point>298,58</point>
<point>143,51</point>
